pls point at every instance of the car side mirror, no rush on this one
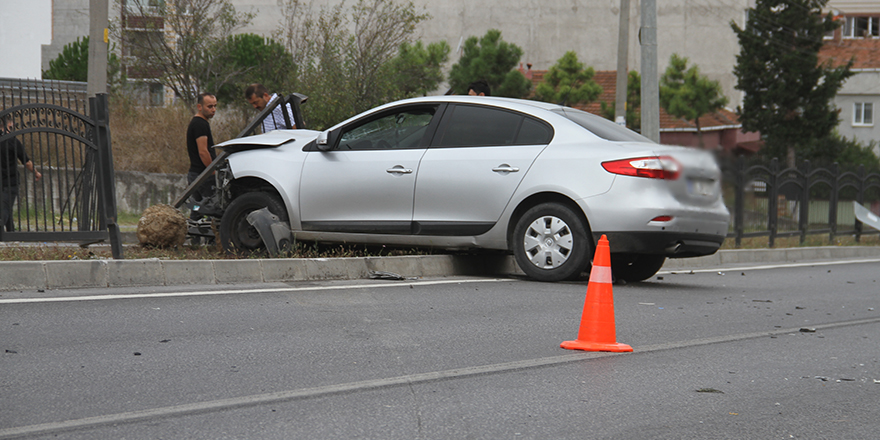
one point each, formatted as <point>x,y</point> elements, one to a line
<point>327,140</point>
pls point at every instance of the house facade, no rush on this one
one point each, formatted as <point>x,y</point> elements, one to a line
<point>545,30</point>
<point>858,40</point>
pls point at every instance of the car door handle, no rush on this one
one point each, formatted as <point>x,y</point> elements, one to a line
<point>398,170</point>
<point>505,168</point>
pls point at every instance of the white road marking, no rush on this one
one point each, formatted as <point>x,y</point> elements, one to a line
<point>766,267</point>
<point>366,385</point>
<point>244,291</point>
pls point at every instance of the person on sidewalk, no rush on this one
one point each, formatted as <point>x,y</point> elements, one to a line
<point>198,146</point>
<point>11,153</point>
<point>258,96</point>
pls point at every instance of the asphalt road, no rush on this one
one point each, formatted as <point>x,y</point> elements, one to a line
<point>717,354</point>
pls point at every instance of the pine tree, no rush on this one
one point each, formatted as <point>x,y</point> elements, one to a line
<point>490,59</point>
<point>684,93</point>
<point>568,82</point>
<point>788,94</point>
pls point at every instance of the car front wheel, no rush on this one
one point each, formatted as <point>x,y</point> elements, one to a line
<point>239,237</point>
<point>550,243</point>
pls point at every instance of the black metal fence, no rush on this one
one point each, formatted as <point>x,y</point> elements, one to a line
<point>770,201</point>
<point>66,138</point>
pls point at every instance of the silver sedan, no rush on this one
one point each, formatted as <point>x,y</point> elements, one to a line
<point>539,180</point>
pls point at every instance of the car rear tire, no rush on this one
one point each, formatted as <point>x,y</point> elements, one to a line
<point>237,236</point>
<point>550,243</point>
<point>635,267</point>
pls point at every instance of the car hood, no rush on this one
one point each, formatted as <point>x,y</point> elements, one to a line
<point>272,139</point>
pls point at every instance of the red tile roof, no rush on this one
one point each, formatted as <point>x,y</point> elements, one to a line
<point>608,80</point>
<point>866,52</point>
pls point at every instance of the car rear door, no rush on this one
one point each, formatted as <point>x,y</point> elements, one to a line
<point>365,184</point>
<point>475,163</point>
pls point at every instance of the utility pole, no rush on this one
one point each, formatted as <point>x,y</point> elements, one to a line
<point>622,67</point>
<point>650,77</point>
<point>98,43</point>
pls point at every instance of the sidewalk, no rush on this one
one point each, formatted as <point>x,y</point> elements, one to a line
<point>34,275</point>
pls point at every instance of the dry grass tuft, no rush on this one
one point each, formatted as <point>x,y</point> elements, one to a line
<point>153,139</point>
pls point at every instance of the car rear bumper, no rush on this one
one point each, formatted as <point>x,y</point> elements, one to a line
<point>669,244</point>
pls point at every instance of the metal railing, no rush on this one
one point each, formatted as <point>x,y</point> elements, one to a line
<point>66,137</point>
<point>798,201</point>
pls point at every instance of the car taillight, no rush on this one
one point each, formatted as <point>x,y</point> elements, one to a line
<point>662,167</point>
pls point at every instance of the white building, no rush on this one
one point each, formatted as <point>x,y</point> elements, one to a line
<point>545,30</point>
<point>26,25</point>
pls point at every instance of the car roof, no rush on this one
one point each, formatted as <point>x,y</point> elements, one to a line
<point>523,105</point>
<point>492,100</point>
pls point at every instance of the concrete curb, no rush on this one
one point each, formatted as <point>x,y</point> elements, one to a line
<point>785,255</point>
<point>31,275</point>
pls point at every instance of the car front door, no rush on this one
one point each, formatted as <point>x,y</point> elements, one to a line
<point>365,183</point>
<point>475,163</point>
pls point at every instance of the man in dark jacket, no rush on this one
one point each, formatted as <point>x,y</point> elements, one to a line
<point>11,153</point>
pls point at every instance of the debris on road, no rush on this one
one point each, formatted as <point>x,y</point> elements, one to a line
<point>709,390</point>
<point>380,275</point>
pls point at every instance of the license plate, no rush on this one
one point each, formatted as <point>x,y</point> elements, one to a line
<point>701,187</point>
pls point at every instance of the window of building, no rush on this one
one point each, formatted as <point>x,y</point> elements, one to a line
<point>143,6</point>
<point>861,27</point>
<point>157,95</point>
<point>863,113</point>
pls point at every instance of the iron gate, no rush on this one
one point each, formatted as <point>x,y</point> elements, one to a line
<point>67,139</point>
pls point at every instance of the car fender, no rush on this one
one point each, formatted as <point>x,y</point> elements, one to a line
<point>279,167</point>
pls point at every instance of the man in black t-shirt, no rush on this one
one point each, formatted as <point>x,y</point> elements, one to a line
<point>11,152</point>
<point>198,145</point>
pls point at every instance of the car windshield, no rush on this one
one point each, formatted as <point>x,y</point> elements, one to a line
<point>601,127</point>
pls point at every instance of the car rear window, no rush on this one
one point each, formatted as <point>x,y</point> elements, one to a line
<point>601,127</point>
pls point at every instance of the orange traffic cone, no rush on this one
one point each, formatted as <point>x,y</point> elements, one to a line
<point>597,331</point>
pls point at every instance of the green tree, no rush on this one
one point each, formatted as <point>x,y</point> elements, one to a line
<point>416,70</point>
<point>633,103</point>
<point>848,153</point>
<point>246,59</point>
<point>173,41</point>
<point>788,94</point>
<point>493,60</point>
<point>353,59</point>
<point>568,82</point>
<point>684,93</point>
<point>72,64</point>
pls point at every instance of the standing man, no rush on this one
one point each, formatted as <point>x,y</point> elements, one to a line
<point>198,145</point>
<point>11,152</point>
<point>258,96</point>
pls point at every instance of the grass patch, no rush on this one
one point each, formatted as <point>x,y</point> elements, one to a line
<point>39,252</point>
